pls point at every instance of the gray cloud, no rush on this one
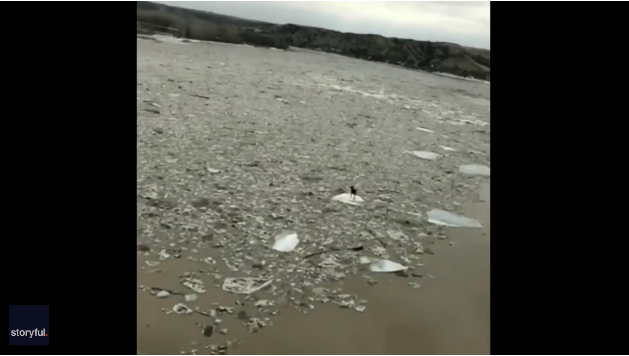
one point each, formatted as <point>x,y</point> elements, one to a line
<point>463,22</point>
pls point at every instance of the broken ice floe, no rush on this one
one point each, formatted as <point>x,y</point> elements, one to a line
<point>286,242</point>
<point>449,149</point>
<point>386,266</point>
<point>345,300</point>
<point>182,309</point>
<point>423,129</point>
<point>162,294</point>
<point>254,324</point>
<point>425,154</point>
<point>163,255</point>
<point>419,249</point>
<point>162,38</point>
<point>328,262</point>
<point>192,283</point>
<point>225,310</point>
<point>360,308</point>
<point>446,218</point>
<point>474,169</point>
<point>234,265</point>
<point>471,120</point>
<point>364,260</point>
<point>396,235</point>
<point>348,199</point>
<point>263,303</point>
<point>245,285</point>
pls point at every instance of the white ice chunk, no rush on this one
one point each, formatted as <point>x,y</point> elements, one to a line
<point>168,39</point>
<point>286,242</point>
<point>386,266</point>
<point>245,285</point>
<point>364,260</point>
<point>449,149</point>
<point>162,294</point>
<point>396,235</point>
<point>182,309</point>
<point>446,218</point>
<point>425,154</point>
<point>423,129</point>
<point>195,284</point>
<point>329,262</point>
<point>348,199</point>
<point>474,169</point>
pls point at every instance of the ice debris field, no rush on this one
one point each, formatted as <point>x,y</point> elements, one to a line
<point>246,156</point>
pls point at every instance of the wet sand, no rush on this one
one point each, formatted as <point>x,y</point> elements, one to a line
<point>449,314</point>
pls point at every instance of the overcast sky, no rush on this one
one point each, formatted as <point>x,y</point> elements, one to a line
<point>462,22</point>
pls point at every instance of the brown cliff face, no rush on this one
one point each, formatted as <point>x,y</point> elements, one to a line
<point>425,55</point>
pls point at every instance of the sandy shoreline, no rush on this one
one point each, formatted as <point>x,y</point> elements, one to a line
<point>237,144</point>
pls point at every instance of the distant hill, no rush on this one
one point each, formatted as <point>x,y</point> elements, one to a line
<point>425,55</point>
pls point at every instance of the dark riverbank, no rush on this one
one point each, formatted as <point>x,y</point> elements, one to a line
<point>425,55</point>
